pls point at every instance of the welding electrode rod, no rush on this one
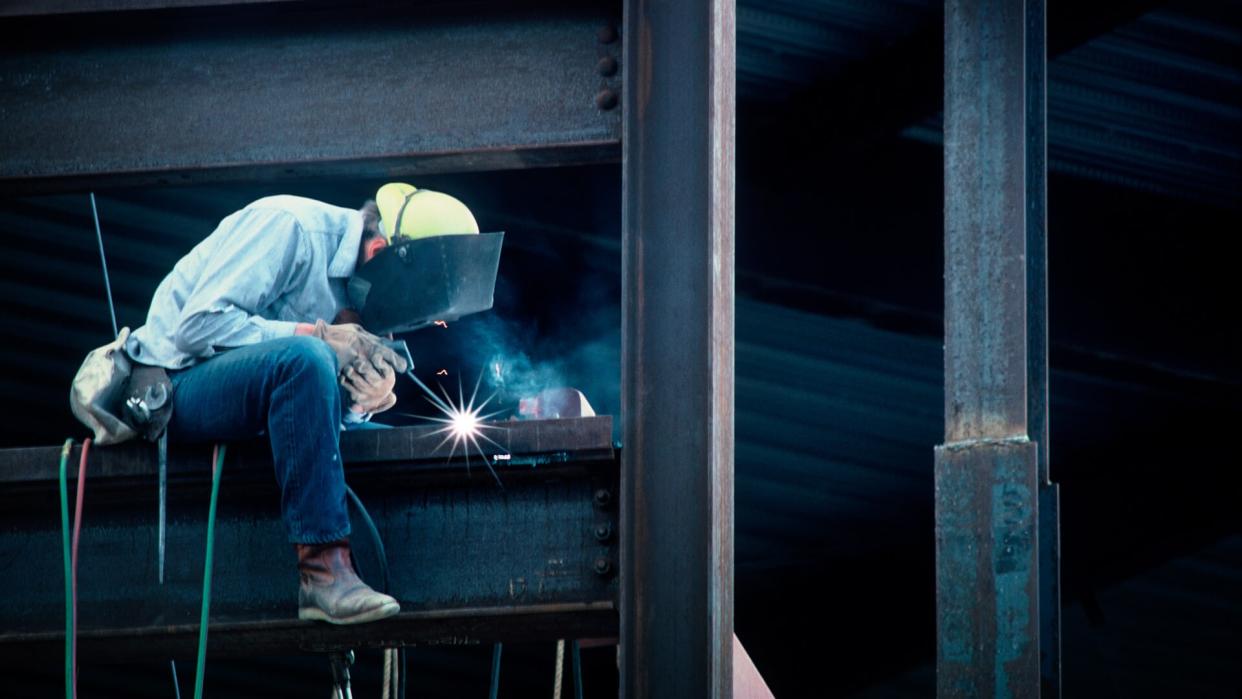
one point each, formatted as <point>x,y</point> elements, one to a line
<point>444,406</point>
<point>104,262</point>
<point>162,525</point>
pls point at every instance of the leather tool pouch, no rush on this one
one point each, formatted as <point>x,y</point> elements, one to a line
<point>119,399</point>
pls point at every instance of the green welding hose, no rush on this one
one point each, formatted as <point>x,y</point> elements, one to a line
<point>211,545</point>
<point>64,528</point>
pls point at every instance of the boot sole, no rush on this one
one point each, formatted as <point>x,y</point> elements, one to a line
<point>382,612</point>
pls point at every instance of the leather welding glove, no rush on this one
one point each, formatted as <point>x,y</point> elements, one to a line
<point>370,385</point>
<point>351,342</point>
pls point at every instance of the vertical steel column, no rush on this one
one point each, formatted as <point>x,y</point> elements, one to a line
<point>1037,347</point>
<point>677,348</point>
<point>987,480</point>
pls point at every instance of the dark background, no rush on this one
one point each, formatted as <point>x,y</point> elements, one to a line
<point>839,393</point>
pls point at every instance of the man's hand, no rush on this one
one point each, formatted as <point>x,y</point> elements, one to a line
<point>370,385</point>
<point>352,343</point>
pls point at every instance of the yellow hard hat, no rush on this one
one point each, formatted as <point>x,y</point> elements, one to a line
<point>409,212</point>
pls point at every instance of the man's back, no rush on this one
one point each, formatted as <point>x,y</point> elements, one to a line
<point>279,261</point>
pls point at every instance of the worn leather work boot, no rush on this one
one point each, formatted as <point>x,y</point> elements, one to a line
<point>331,591</point>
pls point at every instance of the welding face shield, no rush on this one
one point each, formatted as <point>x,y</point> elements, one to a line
<point>413,283</point>
<point>436,267</point>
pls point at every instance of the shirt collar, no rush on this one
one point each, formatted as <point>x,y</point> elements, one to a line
<point>345,261</point>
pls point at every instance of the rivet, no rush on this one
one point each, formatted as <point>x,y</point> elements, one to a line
<point>603,531</point>
<point>607,66</point>
<point>607,34</point>
<point>606,99</point>
<point>602,566</point>
<point>603,497</point>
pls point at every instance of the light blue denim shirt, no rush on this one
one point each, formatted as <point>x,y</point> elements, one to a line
<point>280,261</point>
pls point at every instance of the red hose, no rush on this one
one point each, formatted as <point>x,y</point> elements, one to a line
<point>77,531</point>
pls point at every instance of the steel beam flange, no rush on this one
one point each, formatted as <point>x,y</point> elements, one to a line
<point>987,592</point>
<point>149,98</point>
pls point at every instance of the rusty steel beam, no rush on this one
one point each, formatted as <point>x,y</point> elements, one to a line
<point>464,626</point>
<point>677,349</point>
<point>469,560</point>
<point>29,8</point>
<point>532,441</point>
<point>987,476</point>
<point>275,92</point>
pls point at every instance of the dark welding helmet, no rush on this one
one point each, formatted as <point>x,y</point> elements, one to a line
<point>413,283</point>
<point>436,267</point>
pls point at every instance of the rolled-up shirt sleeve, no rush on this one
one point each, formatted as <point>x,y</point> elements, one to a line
<point>256,260</point>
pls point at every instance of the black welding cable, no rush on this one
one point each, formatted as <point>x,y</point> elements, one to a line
<point>104,262</point>
<point>375,536</point>
<point>383,559</point>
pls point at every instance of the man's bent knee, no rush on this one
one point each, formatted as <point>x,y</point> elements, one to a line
<point>303,355</point>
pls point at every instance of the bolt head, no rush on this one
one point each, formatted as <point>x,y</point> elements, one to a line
<point>606,99</point>
<point>603,531</point>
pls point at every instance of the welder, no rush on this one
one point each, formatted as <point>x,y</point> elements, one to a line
<point>254,329</point>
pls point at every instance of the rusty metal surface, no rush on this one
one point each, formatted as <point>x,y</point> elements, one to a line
<point>586,439</point>
<point>247,638</point>
<point>677,349</point>
<point>25,8</point>
<point>468,559</point>
<point>989,480</point>
<point>984,220</point>
<point>987,591</point>
<point>313,91</point>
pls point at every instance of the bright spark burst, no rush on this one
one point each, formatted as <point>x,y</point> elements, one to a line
<point>463,422</point>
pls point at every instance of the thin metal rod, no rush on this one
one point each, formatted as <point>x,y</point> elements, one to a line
<point>163,505</point>
<point>559,676</point>
<point>494,691</point>
<point>176,682</point>
<point>577,663</point>
<point>1037,346</point>
<point>104,262</point>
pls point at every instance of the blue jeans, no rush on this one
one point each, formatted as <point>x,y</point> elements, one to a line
<point>288,389</point>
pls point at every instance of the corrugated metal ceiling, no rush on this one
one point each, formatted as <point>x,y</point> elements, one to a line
<point>786,45</point>
<point>1155,105</point>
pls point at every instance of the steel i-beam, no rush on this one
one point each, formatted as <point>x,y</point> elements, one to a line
<point>469,561</point>
<point>987,475</point>
<point>677,341</point>
<point>191,95</point>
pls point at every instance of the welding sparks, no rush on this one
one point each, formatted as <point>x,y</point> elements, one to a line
<point>463,422</point>
<point>442,372</point>
<point>440,323</point>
